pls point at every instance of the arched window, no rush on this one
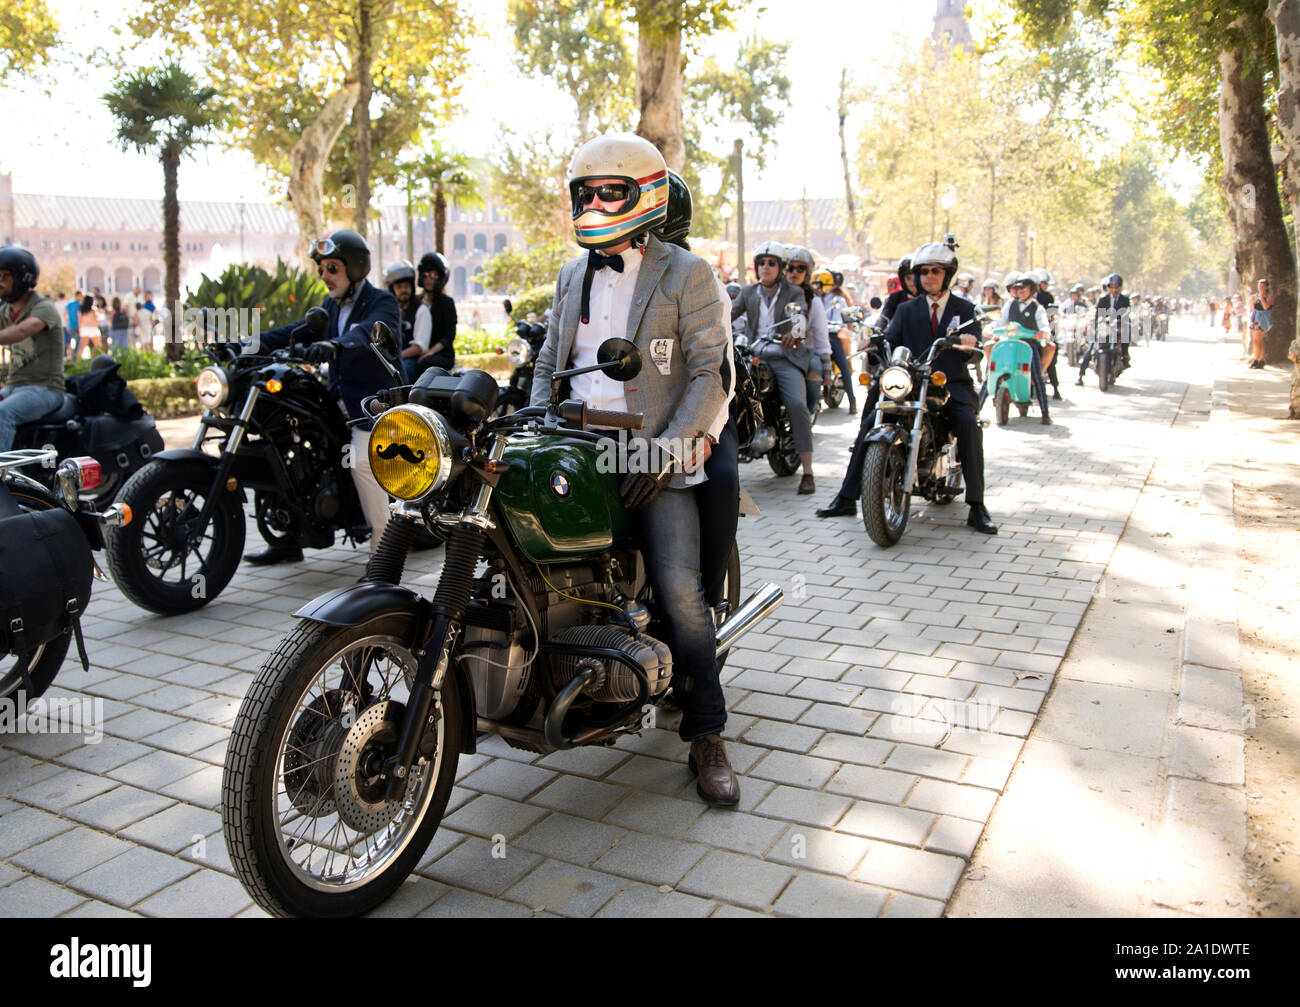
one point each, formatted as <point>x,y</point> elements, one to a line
<point>458,283</point>
<point>458,243</point>
<point>477,288</point>
<point>480,242</point>
<point>499,243</point>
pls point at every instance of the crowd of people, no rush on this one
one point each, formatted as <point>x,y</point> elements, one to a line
<point>96,323</point>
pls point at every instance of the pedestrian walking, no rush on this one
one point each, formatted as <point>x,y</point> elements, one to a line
<point>1261,321</point>
<point>119,333</point>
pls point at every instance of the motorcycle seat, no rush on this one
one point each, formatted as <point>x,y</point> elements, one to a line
<point>65,412</point>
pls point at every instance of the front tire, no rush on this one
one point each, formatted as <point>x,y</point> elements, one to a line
<point>783,458</point>
<point>885,501</point>
<point>305,822</point>
<point>1103,371</point>
<point>150,564</point>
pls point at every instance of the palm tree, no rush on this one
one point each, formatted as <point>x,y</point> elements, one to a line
<point>448,173</point>
<point>164,109</point>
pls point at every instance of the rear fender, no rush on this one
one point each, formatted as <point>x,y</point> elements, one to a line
<point>358,604</point>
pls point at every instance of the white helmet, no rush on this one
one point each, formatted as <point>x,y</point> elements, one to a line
<point>641,181</point>
<point>934,253</point>
<point>775,249</point>
<point>798,253</point>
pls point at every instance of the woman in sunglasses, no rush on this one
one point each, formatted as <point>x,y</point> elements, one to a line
<point>798,271</point>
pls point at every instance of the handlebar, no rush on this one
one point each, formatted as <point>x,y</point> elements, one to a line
<point>613,418</point>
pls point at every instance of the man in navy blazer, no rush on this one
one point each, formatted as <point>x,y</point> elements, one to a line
<point>342,260</point>
<point>916,325</point>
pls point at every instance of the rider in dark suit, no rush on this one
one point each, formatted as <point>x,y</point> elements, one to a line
<point>1113,307</point>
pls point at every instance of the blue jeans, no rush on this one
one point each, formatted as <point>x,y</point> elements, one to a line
<point>22,404</point>
<point>670,539</point>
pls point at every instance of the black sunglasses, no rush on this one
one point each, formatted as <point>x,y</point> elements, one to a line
<point>774,263</point>
<point>931,271</point>
<point>796,267</point>
<point>610,192</point>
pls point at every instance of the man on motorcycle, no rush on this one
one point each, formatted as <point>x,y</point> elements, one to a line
<point>763,306</point>
<point>1115,306</point>
<point>1025,310</point>
<point>916,325</point>
<point>342,260</point>
<point>631,282</point>
<point>833,305</point>
<point>1042,280</point>
<point>965,287</point>
<point>798,271</point>
<point>907,289</point>
<point>33,326</point>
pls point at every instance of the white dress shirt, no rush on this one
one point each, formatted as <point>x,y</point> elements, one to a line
<point>611,303</point>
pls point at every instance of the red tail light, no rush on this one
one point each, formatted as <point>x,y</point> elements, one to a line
<point>89,473</point>
<point>1024,368</point>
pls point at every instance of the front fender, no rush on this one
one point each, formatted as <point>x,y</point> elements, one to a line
<point>887,433</point>
<point>360,603</point>
<point>185,455</point>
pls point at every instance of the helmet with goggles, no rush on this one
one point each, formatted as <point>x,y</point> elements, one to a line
<point>618,189</point>
<point>823,278</point>
<point>346,246</point>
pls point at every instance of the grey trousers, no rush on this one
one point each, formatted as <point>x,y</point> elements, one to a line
<point>794,393</point>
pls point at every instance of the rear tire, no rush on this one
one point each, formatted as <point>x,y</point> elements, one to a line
<point>1103,371</point>
<point>1022,408</point>
<point>1002,406</point>
<point>783,458</point>
<point>885,503</point>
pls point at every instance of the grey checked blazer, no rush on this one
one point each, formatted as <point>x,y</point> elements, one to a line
<point>747,304</point>
<point>677,298</point>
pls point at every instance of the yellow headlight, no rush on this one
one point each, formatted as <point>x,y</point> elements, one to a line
<point>410,452</point>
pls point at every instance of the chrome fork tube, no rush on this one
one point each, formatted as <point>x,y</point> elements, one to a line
<point>910,478</point>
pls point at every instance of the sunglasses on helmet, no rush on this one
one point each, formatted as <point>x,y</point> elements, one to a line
<point>610,192</point>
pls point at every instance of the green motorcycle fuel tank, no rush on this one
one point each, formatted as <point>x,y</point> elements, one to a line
<point>558,503</point>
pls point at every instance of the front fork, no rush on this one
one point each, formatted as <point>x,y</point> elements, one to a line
<point>225,463</point>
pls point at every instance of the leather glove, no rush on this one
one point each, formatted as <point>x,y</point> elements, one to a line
<point>319,353</point>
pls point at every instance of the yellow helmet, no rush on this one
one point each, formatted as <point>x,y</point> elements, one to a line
<point>636,200</point>
<point>823,278</point>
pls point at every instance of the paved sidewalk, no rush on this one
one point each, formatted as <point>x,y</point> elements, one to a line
<point>875,719</point>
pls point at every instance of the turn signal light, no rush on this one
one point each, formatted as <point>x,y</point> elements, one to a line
<point>274,385</point>
<point>864,378</point>
<point>938,379</point>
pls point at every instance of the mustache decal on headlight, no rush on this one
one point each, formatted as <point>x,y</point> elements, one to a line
<point>400,451</point>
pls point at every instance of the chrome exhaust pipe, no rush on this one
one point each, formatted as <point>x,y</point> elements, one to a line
<point>750,614</point>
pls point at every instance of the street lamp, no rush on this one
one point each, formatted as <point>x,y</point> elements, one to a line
<point>737,129</point>
<point>948,202</point>
<point>1031,235</point>
<point>726,210</point>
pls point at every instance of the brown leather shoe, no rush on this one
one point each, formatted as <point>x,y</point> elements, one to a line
<point>806,485</point>
<point>717,781</point>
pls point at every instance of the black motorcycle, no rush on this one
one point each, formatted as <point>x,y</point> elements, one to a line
<point>910,448</point>
<point>46,540</point>
<point>1112,332</point>
<point>283,436</point>
<point>99,418</point>
<point>762,422</point>
<point>522,352</point>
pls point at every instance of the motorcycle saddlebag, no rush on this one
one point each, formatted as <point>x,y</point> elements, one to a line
<point>45,573</point>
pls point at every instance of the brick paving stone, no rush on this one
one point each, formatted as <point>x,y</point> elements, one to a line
<point>190,737</point>
<point>934,685</point>
<point>846,748</point>
<point>663,815</point>
<point>960,801</point>
<point>756,660</point>
<point>415,895</point>
<point>565,889</point>
<point>156,770</point>
<point>202,788</point>
<point>472,865</point>
<point>926,762</point>
<point>812,650</point>
<point>764,681</point>
<point>203,894</point>
<point>490,815</point>
<point>916,872</point>
<point>584,761</point>
<point>470,905</point>
<point>68,854</point>
<point>646,902</point>
<point>103,756</point>
<point>820,896</point>
<point>33,897</point>
<point>131,877</point>
<point>507,779</point>
<point>888,822</point>
<point>576,840</point>
<point>645,773</point>
<point>45,746</point>
<point>762,704</point>
<point>585,798</point>
<point>808,667</point>
<point>954,835</point>
<point>730,877</point>
<point>140,724</point>
<point>94,910</point>
<point>118,808</point>
<point>776,734</point>
<point>736,830</point>
<point>27,827</point>
<point>651,859</point>
<point>8,875</point>
<point>808,807</point>
<point>832,717</point>
<point>122,687</point>
<point>826,692</point>
<point>913,907</point>
<point>63,789</point>
<point>870,783</point>
<point>795,770</point>
<point>175,828</point>
<point>818,850</point>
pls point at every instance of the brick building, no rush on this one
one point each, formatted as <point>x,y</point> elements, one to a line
<point>116,244</point>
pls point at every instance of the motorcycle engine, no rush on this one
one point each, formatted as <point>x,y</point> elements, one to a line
<point>763,441</point>
<point>615,681</point>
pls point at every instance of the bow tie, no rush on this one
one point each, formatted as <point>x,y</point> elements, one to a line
<point>598,261</point>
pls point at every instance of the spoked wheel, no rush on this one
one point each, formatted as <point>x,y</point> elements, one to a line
<point>154,560</point>
<point>308,826</point>
<point>886,502</point>
<point>275,523</point>
<point>783,458</point>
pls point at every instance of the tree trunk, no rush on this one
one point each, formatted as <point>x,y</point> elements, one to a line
<point>741,269</point>
<point>1250,186</point>
<point>361,118</point>
<point>993,202</point>
<point>843,111</point>
<point>659,77</point>
<point>307,160</point>
<point>171,160</point>
<point>439,218</point>
<point>410,225</point>
<point>1285,15</point>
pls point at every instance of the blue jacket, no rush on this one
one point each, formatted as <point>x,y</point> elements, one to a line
<point>355,372</point>
<point>910,327</point>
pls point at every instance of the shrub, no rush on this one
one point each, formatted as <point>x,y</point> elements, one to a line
<point>534,301</point>
<point>164,397</point>
<point>137,362</point>
<point>282,297</point>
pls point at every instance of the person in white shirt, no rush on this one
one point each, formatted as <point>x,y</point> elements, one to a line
<point>1025,310</point>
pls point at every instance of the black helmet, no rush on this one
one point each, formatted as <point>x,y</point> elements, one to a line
<point>733,290</point>
<point>677,224</point>
<point>1114,280</point>
<point>433,262</point>
<point>904,267</point>
<point>101,361</point>
<point>838,277</point>
<point>23,267</point>
<point>397,272</point>
<point>348,247</point>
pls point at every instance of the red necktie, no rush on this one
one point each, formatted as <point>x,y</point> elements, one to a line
<point>934,319</point>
